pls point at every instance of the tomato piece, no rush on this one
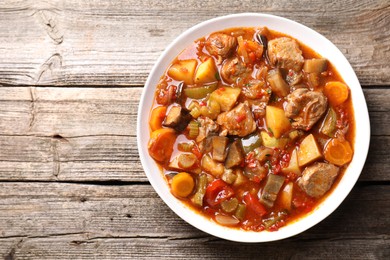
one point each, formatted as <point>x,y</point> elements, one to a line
<point>218,191</point>
<point>254,204</point>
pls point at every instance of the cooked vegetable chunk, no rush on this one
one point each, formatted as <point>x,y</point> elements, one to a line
<point>317,179</point>
<point>206,72</point>
<point>219,144</point>
<point>182,184</point>
<point>337,92</point>
<point>199,92</point>
<point>308,151</point>
<point>328,126</point>
<point>201,185</point>
<point>157,117</point>
<point>235,155</point>
<point>315,65</point>
<point>273,142</point>
<point>271,189</point>
<point>338,152</point>
<point>276,120</point>
<point>161,143</point>
<point>183,70</point>
<point>277,83</point>
<point>286,196</point>
<point>226,97</point>
<point>177,118</point>
<point>293,165</point>
<point>239,121</point>
<point>209,165</point>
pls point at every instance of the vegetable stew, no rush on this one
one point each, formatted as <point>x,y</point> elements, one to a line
<point>251,128</point>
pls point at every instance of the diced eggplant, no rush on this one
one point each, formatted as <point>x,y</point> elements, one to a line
<point>177,118</point>
<point>219,144</point>
<point>271,189</point>
<point>235,155</point>
<point>313,79</point>
<point>329,125</point>
<point>315,65</point>
<point>277,83</point>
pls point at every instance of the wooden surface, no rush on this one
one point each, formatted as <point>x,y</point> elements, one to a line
<point>71,184</point>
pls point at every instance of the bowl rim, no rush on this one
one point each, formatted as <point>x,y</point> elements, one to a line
<point>310,38</point>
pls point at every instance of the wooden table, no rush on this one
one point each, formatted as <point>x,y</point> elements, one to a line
<point>71,183</point>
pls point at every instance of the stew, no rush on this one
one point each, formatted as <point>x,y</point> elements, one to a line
<point>251,128</point>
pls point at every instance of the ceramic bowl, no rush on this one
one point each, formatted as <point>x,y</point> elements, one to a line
<point>310,38</point>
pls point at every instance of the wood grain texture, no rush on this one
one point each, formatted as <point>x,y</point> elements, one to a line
<point>88,134</point>
<point>52,220</point>
<point>71,184</point>
<point>117,42</point>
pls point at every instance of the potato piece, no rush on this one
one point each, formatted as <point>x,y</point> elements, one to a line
<point>286,196</point>
<point>277,83</point>
<point>183,70</point>
<point>293,164</point>
<point>206,72</point>
<point>276,120</point>
<point>235,155</point>
<point>219,144</point>
<point>315,65</point>
<point>226,97</point>
<point>272,142</point>
<point>214,168</point>
<point>308,151</point>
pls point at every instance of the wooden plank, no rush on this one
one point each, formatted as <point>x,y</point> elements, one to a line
<point>51,220</point>
<point>80,43</point>
<point>88,134</point>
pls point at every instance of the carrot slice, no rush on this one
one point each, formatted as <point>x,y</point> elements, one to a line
<point>337,92</point>
<point>161,143</point>
<point>157,117</point>
<point>338,152</point>
<point>182,184</point>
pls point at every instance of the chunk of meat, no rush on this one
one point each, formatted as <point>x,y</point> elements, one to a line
<point>232,69</point>
<point>238,121</point>
<point>255,89</point>
<point>305,108</point>
<point>207,127</point>
<point>317,179</point>
<point>285,53</point>
<point>221,45</point>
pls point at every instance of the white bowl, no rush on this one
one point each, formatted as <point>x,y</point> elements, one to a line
<point>310,38</point>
